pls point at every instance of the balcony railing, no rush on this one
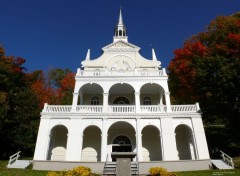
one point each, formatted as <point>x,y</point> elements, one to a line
<point>184,108</point>
<point>119,109</point>
<point>96,73</point>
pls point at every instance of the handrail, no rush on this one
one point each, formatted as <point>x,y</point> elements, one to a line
<point>227,159</point>
<point>13,158</point>
<point>105,165</point>
<point>137,162</point>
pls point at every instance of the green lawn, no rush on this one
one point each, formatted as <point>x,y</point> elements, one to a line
<point>233,172</point>
<point>29,172</point>
<point>4,171</point>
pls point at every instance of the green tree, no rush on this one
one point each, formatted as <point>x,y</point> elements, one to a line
<point>207,69</point>
<point>19,111</point>
<point>56,75</point>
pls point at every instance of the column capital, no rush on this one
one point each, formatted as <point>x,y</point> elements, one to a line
<point>104,135</point>
<point>137,93</point>
<point>105,93</point>
<point>167,93</point>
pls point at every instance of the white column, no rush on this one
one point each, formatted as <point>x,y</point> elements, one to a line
<point>200,139</point>
<point>80,145</point>
<point>139,141</point>
<point>43,139</point>
<point>74,147</point>
<point>74,102</point>
<point>105,102</point>
<point>168,140</point>
<point>104,141</point>
<point>168,103</point>
<point>162,153</point>
<point>137,101</point>
<point>75,140</point>
<point>161,98</point>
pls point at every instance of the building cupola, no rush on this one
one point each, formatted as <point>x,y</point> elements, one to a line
<point>120,31</point>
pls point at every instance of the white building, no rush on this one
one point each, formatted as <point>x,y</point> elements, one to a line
<point>121,102</point>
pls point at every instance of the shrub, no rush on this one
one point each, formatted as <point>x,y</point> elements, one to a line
<point>77,171</point>
<point>159,171</point>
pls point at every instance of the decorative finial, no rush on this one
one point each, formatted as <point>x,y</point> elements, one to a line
<point>153,55</point>
<point>88,55</point>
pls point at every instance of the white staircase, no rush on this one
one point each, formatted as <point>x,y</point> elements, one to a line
<point>220,164</point>
<point>110,168</point>
<point>20,164</point>
<point>14,162</point>
<point>225,163</point>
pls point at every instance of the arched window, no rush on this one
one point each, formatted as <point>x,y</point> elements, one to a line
<point>120,32</point>
<point>95,101</point>
<point>147,101</point>
<point>121,140</point>
<point>121,100</point>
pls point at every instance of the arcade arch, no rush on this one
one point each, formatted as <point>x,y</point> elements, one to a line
<point>185,143</point>
<point>90,92</point>
<point>152,94</point>
<point>121,94</point>
<point>57,143</point>
<point>121,137</point>
<point>91,149</point>
<point>151,144</point>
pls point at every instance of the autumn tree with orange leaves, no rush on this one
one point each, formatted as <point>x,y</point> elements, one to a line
<point>55,87</point>
<point>207,70</point>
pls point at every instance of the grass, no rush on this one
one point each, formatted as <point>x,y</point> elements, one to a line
<point>29,172</point>
<point>4,171</point>
<point>233,172</point>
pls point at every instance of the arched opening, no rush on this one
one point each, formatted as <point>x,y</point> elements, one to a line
<point>185,143</point>
<point>121,94</point>
<point>153,92</point>
<point>121,138</point>
<point>151,144</point>
<point>91,150</point>
<point>120,32</point>
<point>89,93</point>
<point>58,143</point>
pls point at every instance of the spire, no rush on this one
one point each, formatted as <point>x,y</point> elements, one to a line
<point>120,19</point>
<point>153,55</point>
<point>120,31</point>
<point>88,55</point>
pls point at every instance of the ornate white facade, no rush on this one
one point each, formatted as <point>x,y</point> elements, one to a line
<point>121,102</point>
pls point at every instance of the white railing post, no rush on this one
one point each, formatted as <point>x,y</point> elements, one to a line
<point>13,158</point>
<point>227,159</point>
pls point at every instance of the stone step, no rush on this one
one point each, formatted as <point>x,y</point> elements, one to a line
<point>110,168</point>
<point>20,164</point>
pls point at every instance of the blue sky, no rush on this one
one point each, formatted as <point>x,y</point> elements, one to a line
<point>57,33</point>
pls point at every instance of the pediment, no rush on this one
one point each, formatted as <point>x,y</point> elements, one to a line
<point>120,44</point>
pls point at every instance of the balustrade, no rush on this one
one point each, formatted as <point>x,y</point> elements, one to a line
<point>97,73</point>
<point>89,109</point>
<point>119,109</point>
<point>153,109</point>
<point>184,108</point>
